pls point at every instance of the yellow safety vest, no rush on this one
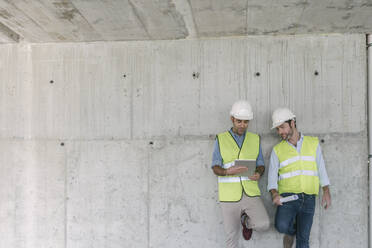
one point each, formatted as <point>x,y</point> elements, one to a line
<point>230,188</point>
<point>298,173</point>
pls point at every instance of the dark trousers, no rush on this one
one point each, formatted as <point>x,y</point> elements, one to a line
<point>296,218</point>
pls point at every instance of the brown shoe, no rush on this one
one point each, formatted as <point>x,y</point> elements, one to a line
<point>247,232</point>
<point>288,241</point>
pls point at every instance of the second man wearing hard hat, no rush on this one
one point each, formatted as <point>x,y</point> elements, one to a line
<point>239,196</point>
<point>296,169</point>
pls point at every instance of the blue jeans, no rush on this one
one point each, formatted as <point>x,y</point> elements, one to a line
<point>296,218</point>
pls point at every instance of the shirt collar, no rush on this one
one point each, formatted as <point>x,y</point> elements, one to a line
<point>301,138</point>
<point>298,141</point>
<point>237,135</point>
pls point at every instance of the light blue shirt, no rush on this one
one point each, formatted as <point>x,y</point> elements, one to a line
<point>217,158</point>
<point>273,175</point>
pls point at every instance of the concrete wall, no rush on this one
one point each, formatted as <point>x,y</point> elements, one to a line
<point>116,150</point>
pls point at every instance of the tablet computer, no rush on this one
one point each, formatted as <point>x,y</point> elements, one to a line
<point>249,163</point>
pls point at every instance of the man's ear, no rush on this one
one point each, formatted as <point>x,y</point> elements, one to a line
<point>292,124</point>
<point>232,119</point>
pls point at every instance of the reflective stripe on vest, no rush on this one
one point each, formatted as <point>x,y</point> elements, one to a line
<point>298,173</point>
<point>230,188</point>
<point>294,159</point>
<point>232,179</point>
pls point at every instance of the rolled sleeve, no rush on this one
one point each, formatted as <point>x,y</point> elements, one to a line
<point>260,160</point>
<point>216,157</point>
<point>272,180</point>
<point>323,176</point>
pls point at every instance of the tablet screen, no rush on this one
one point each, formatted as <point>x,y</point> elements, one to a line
<point>250,164</point>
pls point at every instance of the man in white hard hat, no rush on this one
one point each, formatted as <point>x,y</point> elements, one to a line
<point>239,196</point>
<point>296,170</point>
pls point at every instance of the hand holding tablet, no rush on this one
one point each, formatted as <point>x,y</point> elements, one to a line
<point>249,164</point>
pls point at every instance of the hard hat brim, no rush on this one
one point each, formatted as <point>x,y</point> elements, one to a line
<point>244,118</point>
<point>277,124</point>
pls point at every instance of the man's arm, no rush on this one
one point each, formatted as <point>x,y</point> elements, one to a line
<point>258,173</point>
<point>217,164</point>
<point>219,171</point>
<point>272,184</point>
<point>216,156</point>
<point>323,178</point>
<point>326,199</point>
<point>260,166</point>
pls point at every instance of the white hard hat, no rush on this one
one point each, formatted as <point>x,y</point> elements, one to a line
<point>241,110</point>
<point>282,115</point>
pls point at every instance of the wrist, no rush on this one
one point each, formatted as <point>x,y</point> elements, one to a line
<point>326,189</point>
<point>274,194</point>
<point>260,170</point>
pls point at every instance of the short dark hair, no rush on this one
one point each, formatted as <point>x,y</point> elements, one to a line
<point>289,122</point>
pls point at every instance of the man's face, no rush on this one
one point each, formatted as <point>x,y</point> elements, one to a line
<point>239,126</point>
<point>285,130</point>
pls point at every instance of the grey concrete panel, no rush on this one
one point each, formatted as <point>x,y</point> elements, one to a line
<point>168,84</point>
<point>15,91</point>
<point>99,20</point>
<point>287,77</point>
<point>159,19</point>
<point>361,19</point>
<point>89,94</point>
<point>348,171</point>
<point>184,8</point>
<point>45,21</point>
<point>60,20</point>
<point>33,194</point>
<point>15,19</point>
<point>184,208</point>
<point>46,186</point>
<point>223,81</point>
<point>107,190</point>
<point>7,35</point>
<point>114,20</point>
<point>219,18</point>
<point>227,70</point>
<point>155,106</point>
<point>334,16</point>
<point>272,17</point>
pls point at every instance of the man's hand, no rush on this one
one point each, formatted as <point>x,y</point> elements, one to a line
<point>276,197</point>
<point>236,169</point>
<point>326,199</point>
<point>255,177</point>
<point>276,200</point>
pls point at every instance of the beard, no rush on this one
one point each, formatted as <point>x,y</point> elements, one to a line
<point>288,135</point>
